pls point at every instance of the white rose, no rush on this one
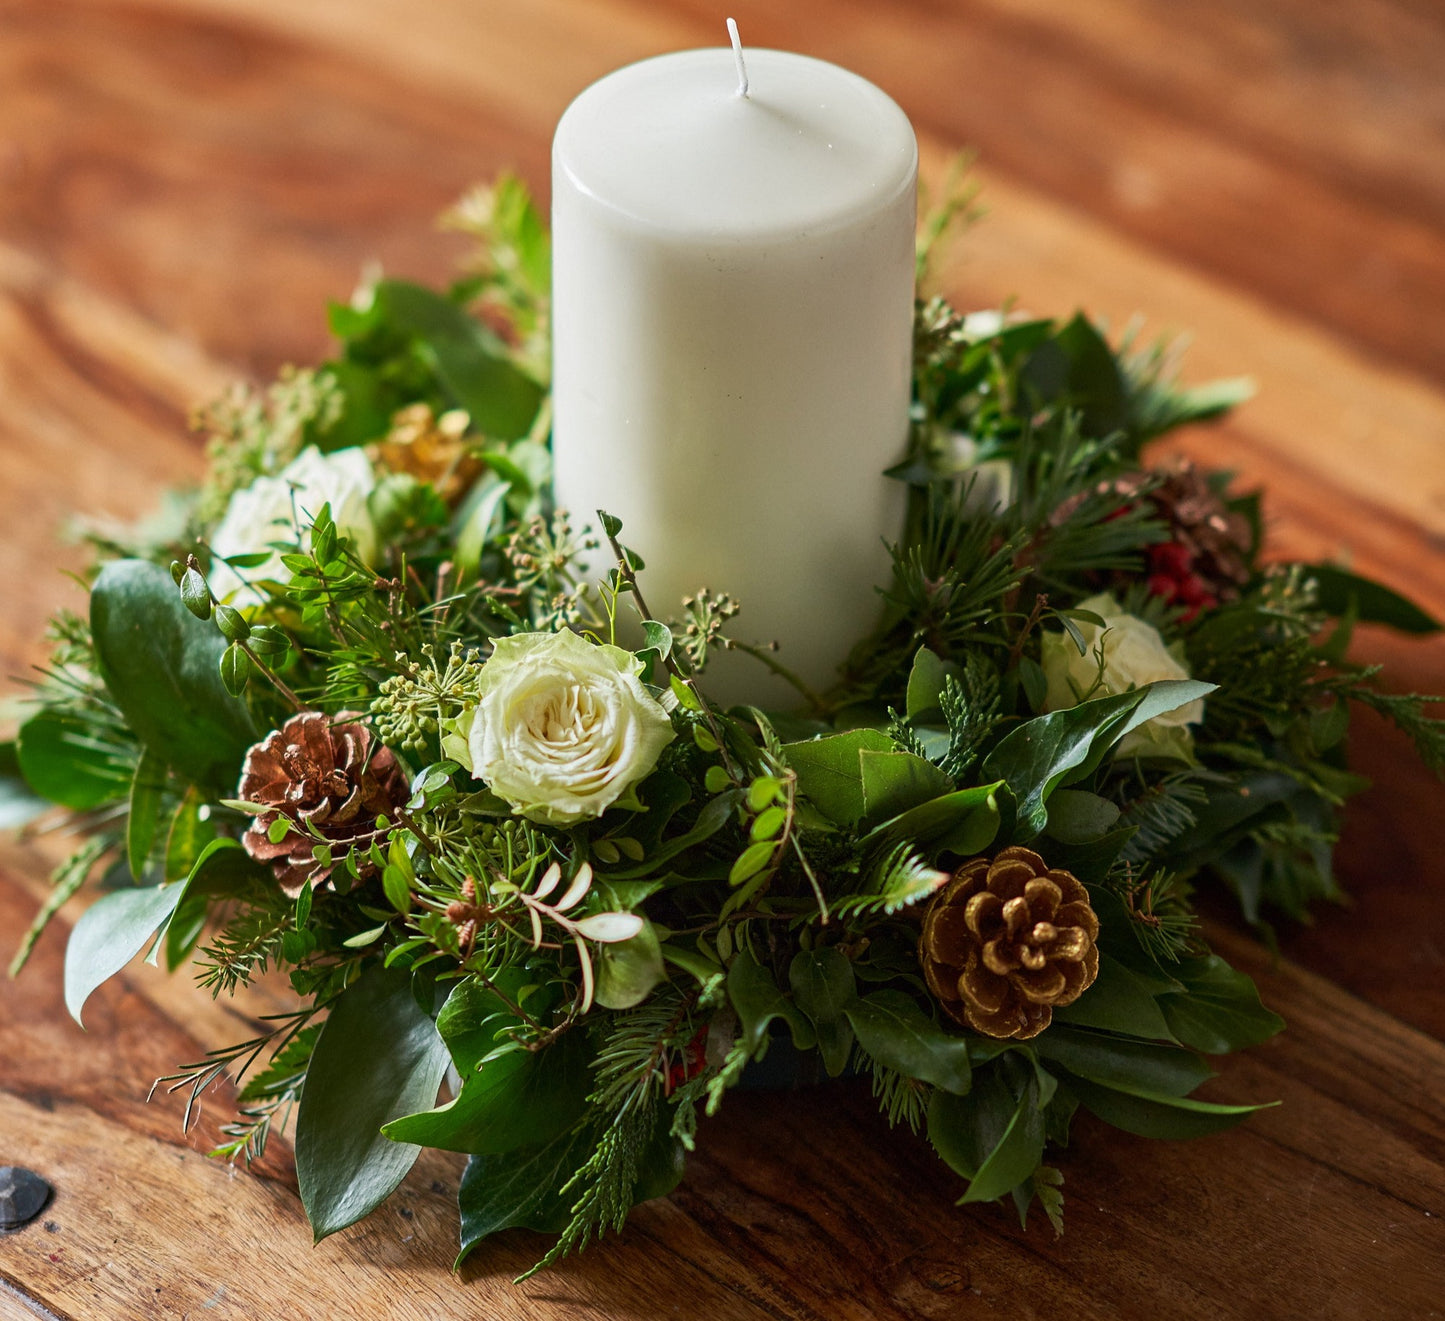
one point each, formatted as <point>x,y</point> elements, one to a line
<point>1133,655</point>
<point>563,728</point>
<point>269,509</point>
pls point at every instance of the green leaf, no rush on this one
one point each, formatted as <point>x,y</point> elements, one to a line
<point>63,761</point>
<point>501,401</point>
<point>830,772</point>
<point>627,970</point>
<point>895,782</point>
<point>823,988</point>
<point>1088,378</point>
<point>378,1056</point>
<point>964,821</point>
<point>521,1188</point>
<point>232,622</point>
<point>161,665</point>
<point>195,595</point>
<point>110,933</point>
<point>18,805</point>
<point>758,1000</point>
<point>1078,817</point>
<point>993,1137</point>
<point>235,670</point>
<point>517,1098</point>
<point>1118,1001</point>
<point>897,1033</point>
<point>1344,593</point>
<point>187,836</point>
<point>709,821</point>
<point>1042,754</point>
<point>1156,1115</point>
<point>222,867</point>
<point>751,861</point>
<point>147,790</point>
<point>1116,1061</point>
<point>1220,1010</point>
<point>925,687</point>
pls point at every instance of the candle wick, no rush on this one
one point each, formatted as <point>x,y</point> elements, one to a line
<point>738,56</point>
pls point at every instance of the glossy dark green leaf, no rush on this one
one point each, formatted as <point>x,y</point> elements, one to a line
<point>993,1137</point>
<point>1114,1060</point>
<point>758,1000</point>
<point>1219,1010</point>
<point>109,934</point>
<point>1155,1115</point>
<point>823,988</point>
<point>1056,749</point>
<point>1118,1001</point>
<point>501,401</point>
<point>517,1099</point>
<point>1078,817</point>
<point>63,761</point>
<point>521,1188</point>
<point>162,666</point>
<point>964,821</point>
<point>378,1057</point>
<point>897,1033</point>
<point>1342,592</point>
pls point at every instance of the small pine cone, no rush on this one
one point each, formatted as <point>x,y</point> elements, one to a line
<point>324,772</point>
<point>431,449</point>
<point>1006,940</point>
<point>1206,559</point>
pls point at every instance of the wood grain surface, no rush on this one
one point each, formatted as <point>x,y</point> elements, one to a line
<point>184,183</point>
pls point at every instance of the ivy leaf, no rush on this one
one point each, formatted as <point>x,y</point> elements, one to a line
<point>516,1098</point>
<point>1219,1011</point>
<point>162,666</point>
<point>830,772</point>
<point>1042,754</point>
<point>758,1000</point>
<point>378,1056</point>
<point>1118,1001</point>
<point>1155,1114</point>
<point>520,1189</point>
<point>823,988</point>
<point>110,933</point>
<point>897,1033</point>
<point>63,762</point>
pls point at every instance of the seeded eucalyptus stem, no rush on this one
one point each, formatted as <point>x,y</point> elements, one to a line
<point>624,567</point>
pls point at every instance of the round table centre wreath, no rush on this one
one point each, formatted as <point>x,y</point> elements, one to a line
<point>354,710</point>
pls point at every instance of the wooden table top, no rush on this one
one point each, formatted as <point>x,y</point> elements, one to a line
<point>183,183</point>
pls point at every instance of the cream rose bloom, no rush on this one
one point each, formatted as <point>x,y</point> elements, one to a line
<point>1134,655</point>
<point>264,512</point>
<point>563,728</point>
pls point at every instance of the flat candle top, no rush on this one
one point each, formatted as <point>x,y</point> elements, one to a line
<point>670,145</point>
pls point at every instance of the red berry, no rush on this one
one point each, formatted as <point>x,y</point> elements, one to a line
<point>1193,590</point>
<point>1161,584</point>
<point>1171,558</point>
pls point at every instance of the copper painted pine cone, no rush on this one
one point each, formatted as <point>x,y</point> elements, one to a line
<point>326,772</point>
<point>1006,941</point>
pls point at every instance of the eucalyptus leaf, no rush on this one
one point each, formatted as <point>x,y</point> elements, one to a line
<point>162,666</point>
<point>109,934</point>
<point>379,1056</point>
<point>897,1033</point>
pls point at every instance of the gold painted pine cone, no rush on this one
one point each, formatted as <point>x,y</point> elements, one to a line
<point>1006,940</point>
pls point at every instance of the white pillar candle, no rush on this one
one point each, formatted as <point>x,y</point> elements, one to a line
<point>732,302</point>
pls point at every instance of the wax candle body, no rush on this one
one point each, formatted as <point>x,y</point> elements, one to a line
<point>733,293</point>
